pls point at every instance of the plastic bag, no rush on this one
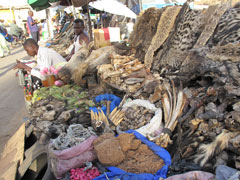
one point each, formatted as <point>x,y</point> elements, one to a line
<point>226,173</point>
<point>115,101</point>
<point>155,122</point>
<point>194,175</point>
<point>21,78</point>
<point>74,157</point>
<point>119,173</point>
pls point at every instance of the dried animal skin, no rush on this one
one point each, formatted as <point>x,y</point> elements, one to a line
<point>203,127</point>
<point>222,53</point>
<point>227,30</point>
<point>236,106</point>
<point>165,26</point>
<point>185,33</point>
<point>232,121</point>
<point>74,65</point>
<point>208,150</point>
<point>236,141</point>
<point>211,24</point>
<point>99,57</point>
<point>141,37</point>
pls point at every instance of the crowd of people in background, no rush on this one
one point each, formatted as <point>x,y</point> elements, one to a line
<point>38,29</point>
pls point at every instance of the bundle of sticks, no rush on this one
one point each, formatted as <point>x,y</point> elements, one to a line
<point>114,118</point>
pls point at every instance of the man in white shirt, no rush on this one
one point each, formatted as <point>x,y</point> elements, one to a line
<point>45,58</point>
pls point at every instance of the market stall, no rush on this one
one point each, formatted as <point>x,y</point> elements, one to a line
<point>166,106</point>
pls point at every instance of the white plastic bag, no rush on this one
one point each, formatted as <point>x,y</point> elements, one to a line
<point>155,122</point>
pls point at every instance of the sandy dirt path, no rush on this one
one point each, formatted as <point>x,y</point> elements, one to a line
<point>12,104</point>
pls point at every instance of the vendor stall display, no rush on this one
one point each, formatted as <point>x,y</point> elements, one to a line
<point>169,103</point>
<point>54,107</point>
<point>62,41</point>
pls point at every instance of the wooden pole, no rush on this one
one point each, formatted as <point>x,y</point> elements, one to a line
<point>140,5</point>
<point>74,10</point>
<point>101,20</point>
<point>89,23</point>
<point>48,23</point>
<point>12,11</point>
<point>127,3</point>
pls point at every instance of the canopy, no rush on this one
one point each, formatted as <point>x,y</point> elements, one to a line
<point>113,7</point>
<point>38,5</point>
<point>160,3</point>
<point>43,4</point>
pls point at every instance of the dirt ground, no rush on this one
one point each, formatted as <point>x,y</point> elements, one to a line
<point>12,110</point>
<point>12,104</point>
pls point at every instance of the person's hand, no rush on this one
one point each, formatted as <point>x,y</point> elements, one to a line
<point>19,65</point>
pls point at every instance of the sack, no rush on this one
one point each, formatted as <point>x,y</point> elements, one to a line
<point>64,160</point>
<point>155,122</point>
<point>115,101</point>
<point>226,173</point>
<point>194,175</point>
<point>120,174</point>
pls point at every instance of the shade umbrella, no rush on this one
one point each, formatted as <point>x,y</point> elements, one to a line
<point>160,3</point>
<point>113,7</point>
<point>43,4</point>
